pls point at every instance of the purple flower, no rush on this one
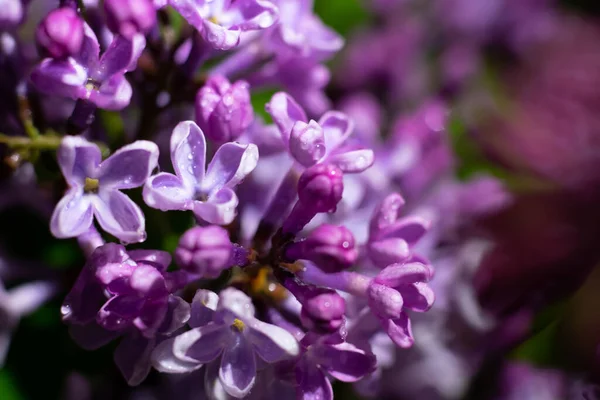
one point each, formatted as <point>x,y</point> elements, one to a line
<point>221,22</point>
<point>129,17</point>
<point>205,251</point>
<point>87,76</point>
<point>223,110</point>
<point>11,13</point>
<point>127,294</point>
<point>311,143</point>
<point>323,309</point>
<point>231,332</point>
<point>391,238</point>
<point>95,188</point>
<point>395,288</point>
<point>60,34</point>
<point>208,193</point>
<point>330,247</point>
<point>329,356</point>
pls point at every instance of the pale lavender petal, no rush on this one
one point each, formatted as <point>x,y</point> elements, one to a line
<point>114,94</point>
<point>396,275</point>
<point>167,192</point>
<point>307,143</point>
<point>158,259</point>
<point>230,165</point>
<point>336,128</point>
<point>219,208</point>
<point>92,336</point>
<point>219,37</point>
<point>132,357</point>
<point>204,305</point>
<point>202,344</point>
<point>28,297</point>
<point>344,361</point>
<point>236,301</point>
<point>258,14</point>
<point>164,359</point>
<point>312,383</point>
<point>399,331</point>
<point>139,44</point>
<point>119,215</point>
<point>271,342</point>
<point>352,161</point>
<point>78,159</point>
<point>90,48</point>
<point>188,153</point>
<point>285,112</point>
<point>238,368</point>
<point>60,77</point>
<point>418,296</point>
<point>130,166</point>
<point>73,215</point>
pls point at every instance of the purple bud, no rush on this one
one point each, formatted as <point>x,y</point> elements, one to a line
<point>223,110</point>
<point>11,14</point>
<point>330,247</point>
<point>321,187</point>
<point>206,251</point>
<point>60,33</point>
<point>322,309</point>
<point>128,17</point>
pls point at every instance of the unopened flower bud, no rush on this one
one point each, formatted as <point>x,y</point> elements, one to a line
<point>330,247</point>
<point>60,33</point>
<point>206,251</point>
<point>322,309</point>
<point>128,17</point>
<point>223,110</point>
<point>321,186</point>
<point>11,14</point>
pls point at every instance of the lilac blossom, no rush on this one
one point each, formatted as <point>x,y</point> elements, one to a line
<point>89,76</point>
<point>120,293</point>
<point>11,13</point>
<point>208,193</point>
<point>205,251</point>
<point>311,142</point>
<point>129,17</point>
<point>229,331</point>
<point>221,22</point>
<point>60,34</point>
<point>95,188</point>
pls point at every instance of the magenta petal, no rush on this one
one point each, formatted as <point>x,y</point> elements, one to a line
<point>386,213</point>
<point>399,330</point>
<point>385,301</point>
<point>167,192</point>
<point>230,165</point>
<point>411,229</point>
<point>60,77</point>
<point>312,383</point>
<point>418,296</point>
<point>132,357</point>
<point>285,112</point>
<point>238,368</point>
<point>271,342</point>
<point>396,275</point>
<point>202,344</point>
<point>345,361</point>
<point>188,153</point>
<point>130,166</point>
<point>352,161</point>
<point>220,207</point>
<point>119,215</point>
<point>336,128</point>
<point>388,251</point>
<point>78,159</point>
<point>73,215</point>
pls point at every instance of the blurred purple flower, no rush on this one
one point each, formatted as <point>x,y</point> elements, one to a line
<point>60,33</point>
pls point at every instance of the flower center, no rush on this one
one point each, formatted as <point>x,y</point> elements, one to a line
<point>91,185</point>
<point>214,20</point>
<point>91,84</point>
<point>238,324</point>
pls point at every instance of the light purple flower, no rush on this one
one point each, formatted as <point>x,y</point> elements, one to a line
<point>95,188</point>
<point>230,331</point>
<point>205,251</point>
<point>221,22</point>
<point>60,33</point>
<point>208,193</point>
<point>11,13</point>
<point>223,110</point>
<point>129,17</point>
<point>87,76</point>
<point>311,142</point>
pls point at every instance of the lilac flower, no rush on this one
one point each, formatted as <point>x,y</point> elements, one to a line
<point>329,355</point>
<point>208,193</point>
<point>205,251</point>
<point>232,332</point>
<point>127,294</point>
<point>223,110</point>
<point>221,22</point>
<point>311,143</point>
<point>11,13</point>
<point>391,238</point>
<point>87,76</point>
<point>60,34</point>
<point>129,17</point>
<point>95,188</point>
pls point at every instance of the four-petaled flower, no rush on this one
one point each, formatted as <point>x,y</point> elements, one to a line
<point>208,193</point>
<point>95,188</point>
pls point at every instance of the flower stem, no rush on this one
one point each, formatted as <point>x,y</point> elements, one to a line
<point>49,141</point>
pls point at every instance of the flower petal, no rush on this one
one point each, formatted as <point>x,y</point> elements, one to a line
<point>396,275</point>
<point>352,161</point>
<point>90,48</point>
<point>237,302</point>
<point>78,159</point>
<point>285,112</point>
<point>204,305</point>
<point>399,330</point>
<point>132,357</point>
<point>385,301</point>
<point>271,342</point>
<point>114,94</point>
<point>257,14</point>
<point>178,313</point>
<point>164,359</point>
<point>410,229</point>
<point>92,336</point>
<point>337,127</point>
<point>307,143</point>
<point>418,296</point>
<point>119,215</point>
<point>115,59</point>
<point>230,165</point>
<point>220,37</point>
<point>202,344</point>
<point>188,153</point>
<point>344,361</point>
<point>167,192</point>
<point>60,77</point>
<point>220,208</point>
<point>158,259</point>
<point>238,368</point>
<point>388,251</point>
<point>73,215</point>
<point>130,166</point>
<point>312,383</point>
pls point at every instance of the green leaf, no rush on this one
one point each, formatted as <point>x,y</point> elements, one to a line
<point>342,15</point>
<point>259,99</point>
<point>8,388</point>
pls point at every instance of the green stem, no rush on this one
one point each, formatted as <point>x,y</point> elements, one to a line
<point>50,141</point>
